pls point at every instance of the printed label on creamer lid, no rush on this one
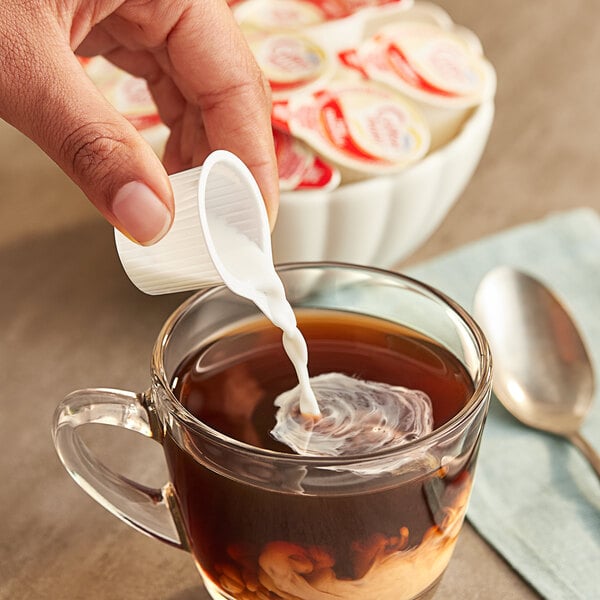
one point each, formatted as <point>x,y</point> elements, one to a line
<point>290,61</point>
<point>359,126</point>
<point>427,63</point>
<point>300,168</point>
<point>128,94</point>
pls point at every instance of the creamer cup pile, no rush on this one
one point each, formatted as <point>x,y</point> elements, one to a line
<point>360,87</point>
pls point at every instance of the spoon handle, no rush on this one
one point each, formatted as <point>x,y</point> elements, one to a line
<point>586,449</point>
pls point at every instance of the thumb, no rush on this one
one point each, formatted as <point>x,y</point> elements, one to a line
<point>53,102</point>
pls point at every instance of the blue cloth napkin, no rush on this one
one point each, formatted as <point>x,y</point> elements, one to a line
<point>535,499</point>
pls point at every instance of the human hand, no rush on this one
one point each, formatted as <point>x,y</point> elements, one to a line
<point>208,89</point>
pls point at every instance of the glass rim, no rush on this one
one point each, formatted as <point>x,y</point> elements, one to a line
<point>188,420</point>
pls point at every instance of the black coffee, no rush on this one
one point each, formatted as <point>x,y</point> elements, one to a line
<point>259,541</point>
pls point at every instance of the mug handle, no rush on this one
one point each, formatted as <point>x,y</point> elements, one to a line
<point>153,511</point>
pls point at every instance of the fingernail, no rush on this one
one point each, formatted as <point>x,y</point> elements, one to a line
<point>141,213</point>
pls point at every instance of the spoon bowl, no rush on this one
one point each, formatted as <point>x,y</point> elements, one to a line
<point>542,371</point>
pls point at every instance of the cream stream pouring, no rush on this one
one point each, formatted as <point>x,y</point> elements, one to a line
<point>220,234</point>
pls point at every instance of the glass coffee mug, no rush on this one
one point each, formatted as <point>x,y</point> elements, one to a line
<point>260,522</point>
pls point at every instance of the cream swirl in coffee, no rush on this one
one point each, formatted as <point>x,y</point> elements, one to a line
<point>357,417</point>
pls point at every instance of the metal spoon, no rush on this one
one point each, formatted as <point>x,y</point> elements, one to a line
<point>542,371</point>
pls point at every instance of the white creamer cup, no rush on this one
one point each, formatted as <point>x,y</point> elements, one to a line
<point>221,191</point>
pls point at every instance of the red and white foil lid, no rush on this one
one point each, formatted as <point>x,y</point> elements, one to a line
<point>128,94</point>
<point>277,15</point>
<point>358,126</point>
<point>290,61</point>
<point>428,64</point>
<point>300,168</point>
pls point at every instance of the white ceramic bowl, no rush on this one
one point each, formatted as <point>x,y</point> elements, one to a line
<point>381,221</point>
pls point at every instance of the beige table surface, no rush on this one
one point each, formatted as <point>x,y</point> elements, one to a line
<point>69,318</point>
